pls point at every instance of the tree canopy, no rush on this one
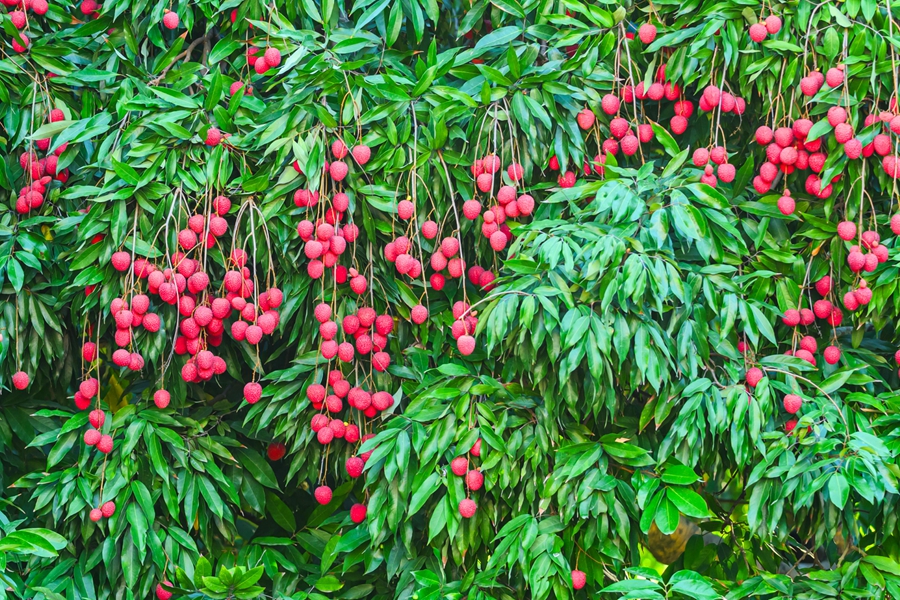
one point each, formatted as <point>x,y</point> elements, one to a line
<point>488,300</point>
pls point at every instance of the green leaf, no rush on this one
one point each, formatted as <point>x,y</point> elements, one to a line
<point>329,583</point>
<point>838,490</point>
<point>256,467</point>
<point>688,501</point>
<point>679,475</point>
<point>280,512</point>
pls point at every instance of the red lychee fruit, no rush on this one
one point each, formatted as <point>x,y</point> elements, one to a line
<point>252,392</point>
<point>610,104</point>
<point>832,354</point>
<point>647,33</point>
<point>467,508</point>
<point>161,592</point>
<point>105,445</point>
<point>161,398</point>
<point>466,345</point>
<point>754,376</point>
<point>338,170</point>
<point>361,154</point>
<point>578,579</point>
<point>418,314</point>
<point>276,451</point>
<point>459,465</point>
<point>95,515</point>
<point>474,480</point>
<point>121,261</point>
<point>758,32</point>
<point>585,118</point>
<point>630,145</point>
<point>846,230</point>
<point>108,509</point>
<point>358,513</point>
<point>355,466</point>
<point>96,418</point>
<point>786,204</point>
<point>323,494</point>
<point>792,403</point>
<point>92,437</point>
<point>171,20</point>
<point>822,308</point>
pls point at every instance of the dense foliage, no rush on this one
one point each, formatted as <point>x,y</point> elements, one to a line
<point>408,299</point>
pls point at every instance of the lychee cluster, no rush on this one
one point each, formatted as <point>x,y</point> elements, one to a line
<point>398,251</point>
<point>106,510</point>
<point>474,479</point>
<point>445,258</point>
<point>262,60</point>
<point>718,155</point>
<point>822,309</point>
<point>765,27</point>
<point>787,150</point>
<point>463,328</point>
<point>368,330</point>
<point>41,171</point>
<point>511,205</point>
<point>93,436</point>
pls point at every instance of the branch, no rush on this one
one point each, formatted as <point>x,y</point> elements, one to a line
<point>185,55</point>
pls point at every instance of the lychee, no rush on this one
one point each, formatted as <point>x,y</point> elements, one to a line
<point>171,20</point>
<point>647,33</point>
<point>754,376</point>
<point>323,494</point>
<point>358,513</point>
<point>467,508</point>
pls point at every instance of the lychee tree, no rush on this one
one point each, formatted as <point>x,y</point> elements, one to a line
<point>408,299</point>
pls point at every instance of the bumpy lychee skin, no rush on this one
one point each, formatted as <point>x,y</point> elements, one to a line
<point>361,154</point>
<point>647,33</point>
<point>758,32</point>
<point>323,494</point>
<point>171,20</point>
<point>474,480</point>
<point>459,466</point>
<point>358,513</point>
<point>467,508</point>
<point>754,376</point>
<point>355,466</point>
<point>476,448</point>
<point>786,204</point>
<point>466,345</point>
<point>20,380</point>
<point>579,578</point>
<point>105,444</point>
<point>252,392</point>
<point>121,261</point>
<point>92,437</point>
<point>419,314</point>
<point>792,403</point>
<point>610,104</point>
<point>773,24</point>
<point>585,118</point>
<point>846,230</point>
<point>161,592</point>
<point>161,398</point>
<point>95,515</point>
<point>834,77</point>
<point>832,355</point>
<point>108,509</point>
<point>791,317</point>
